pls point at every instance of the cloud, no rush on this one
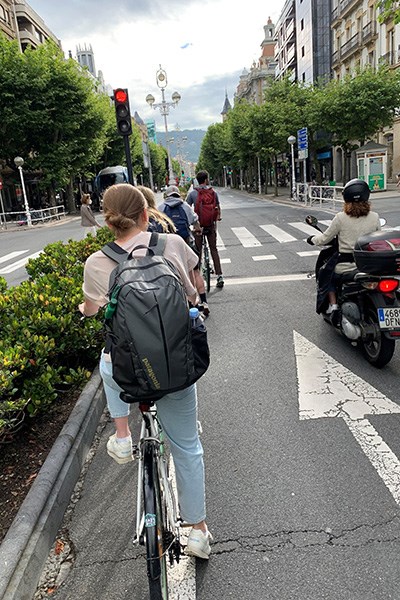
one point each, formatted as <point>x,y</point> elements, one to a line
<point>130,38</point>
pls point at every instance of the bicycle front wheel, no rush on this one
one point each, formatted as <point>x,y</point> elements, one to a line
<point>155,526</point>
<point>207,268</point>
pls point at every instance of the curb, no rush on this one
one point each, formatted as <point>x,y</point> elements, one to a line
<point>25,548</point>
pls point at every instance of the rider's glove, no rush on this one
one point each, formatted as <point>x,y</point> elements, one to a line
<point>309,240</point>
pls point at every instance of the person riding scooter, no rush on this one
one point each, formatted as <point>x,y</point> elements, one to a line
<point>355,220</point>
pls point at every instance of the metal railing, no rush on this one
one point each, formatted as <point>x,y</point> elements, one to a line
<point>41,215</point>
<point>313,195</point>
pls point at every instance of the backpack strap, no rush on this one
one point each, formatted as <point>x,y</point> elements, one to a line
<point>119,255</point>
<point>115,252</point>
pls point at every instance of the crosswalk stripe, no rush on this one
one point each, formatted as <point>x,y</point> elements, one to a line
<point>308,253</point>
<point>304,228</point>
<point>247,239</point>
<point>327,223</point>
<point>18,264</point>
<point>278,233</point>
<point>220,243</point>
<point>12,255</point>
<point>225,261</point>
<point>264,257</point>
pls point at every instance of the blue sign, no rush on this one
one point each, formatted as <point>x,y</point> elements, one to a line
<point>302,139</point>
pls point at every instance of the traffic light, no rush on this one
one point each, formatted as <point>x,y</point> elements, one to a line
<point>122,111</point>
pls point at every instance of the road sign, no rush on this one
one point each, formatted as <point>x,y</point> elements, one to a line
<point>302,139</point>
<point>303,154</point>
<point>328,389</point>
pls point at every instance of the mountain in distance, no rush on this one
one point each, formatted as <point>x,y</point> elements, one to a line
<point>189,149</point>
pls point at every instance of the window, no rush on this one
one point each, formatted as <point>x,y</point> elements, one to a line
<point>303,77</point>
<point>302,24</point>
<point>302,51</point>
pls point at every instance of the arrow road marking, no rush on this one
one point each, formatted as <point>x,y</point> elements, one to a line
<point>328,389</point>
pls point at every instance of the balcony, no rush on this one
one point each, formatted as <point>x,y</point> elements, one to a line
<point>390,58</point>
<point>291,55</point>
<point>343,9</point>
<point>351,46</point>
<point>346,6</point>
<point>369,32</point>
<point>335,58</point>
<point>289,31</point>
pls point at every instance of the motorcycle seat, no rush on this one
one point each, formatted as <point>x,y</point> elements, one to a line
<point>347,276</point>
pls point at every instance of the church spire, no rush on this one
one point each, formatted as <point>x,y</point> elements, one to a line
<point>227,106</point>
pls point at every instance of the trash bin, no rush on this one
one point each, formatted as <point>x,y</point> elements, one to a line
<point>332,183</point>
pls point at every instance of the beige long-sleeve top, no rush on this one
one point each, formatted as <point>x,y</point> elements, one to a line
<point>348,229</point>
<point>87,217</point>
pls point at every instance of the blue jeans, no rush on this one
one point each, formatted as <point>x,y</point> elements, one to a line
<point>178,416</point>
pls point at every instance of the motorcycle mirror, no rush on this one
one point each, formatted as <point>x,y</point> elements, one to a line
<point>311,220</point>
<point>382,221</point>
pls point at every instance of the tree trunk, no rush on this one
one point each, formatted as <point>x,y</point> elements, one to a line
<point>276,175</point>
<point>70,200</point>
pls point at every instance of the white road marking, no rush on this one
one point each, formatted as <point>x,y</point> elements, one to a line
<point>225,261</point>
<point>278,233</point>
<point>266,279</point>
<point>328,222</point>
<point>247,239</point>
<point>328,389</point>
<point>12,255</point>
<point>264,257</point>
<point>18,264</point>
<point>304,228</point>
<point>308,253</point>
<point>182,576</point>
<point>220,243</point>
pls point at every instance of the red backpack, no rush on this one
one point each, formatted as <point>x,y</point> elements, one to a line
<point>206,206</point>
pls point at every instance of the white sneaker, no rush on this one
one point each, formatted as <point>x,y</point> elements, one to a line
<point>198,544</point>
<point>331,308</point>
<point>121,452</point>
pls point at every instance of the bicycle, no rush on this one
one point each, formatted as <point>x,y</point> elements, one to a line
<point>206,262</point>
<point>157,520</point>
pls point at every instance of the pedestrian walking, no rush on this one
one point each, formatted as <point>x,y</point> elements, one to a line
<point>88,220</point>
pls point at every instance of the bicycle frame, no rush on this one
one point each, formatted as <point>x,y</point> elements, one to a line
<point>151,433</point>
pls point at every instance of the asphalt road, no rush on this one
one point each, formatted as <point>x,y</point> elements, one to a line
<point>298,507</point>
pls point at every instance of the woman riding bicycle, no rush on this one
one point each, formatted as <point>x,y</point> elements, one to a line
<point>125,212</point>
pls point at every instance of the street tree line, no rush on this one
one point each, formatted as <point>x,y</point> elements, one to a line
<point>345,113</point>
<point>52,116</point>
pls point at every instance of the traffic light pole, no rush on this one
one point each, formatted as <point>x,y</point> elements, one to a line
<point>128,159</point>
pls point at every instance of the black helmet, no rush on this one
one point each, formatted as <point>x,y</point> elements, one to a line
<point>356,190</point>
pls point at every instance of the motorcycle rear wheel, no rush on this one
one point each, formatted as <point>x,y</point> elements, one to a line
<point>379,351</point>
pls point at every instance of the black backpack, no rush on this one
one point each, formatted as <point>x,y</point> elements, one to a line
<point>179,218</point>
<point>154,350</point>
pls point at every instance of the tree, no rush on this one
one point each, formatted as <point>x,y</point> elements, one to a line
<point>390,9</point>
<point>50,113</point>
<point>355,108</point>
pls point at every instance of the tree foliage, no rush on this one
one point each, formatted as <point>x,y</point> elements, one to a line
<point>390,9</point>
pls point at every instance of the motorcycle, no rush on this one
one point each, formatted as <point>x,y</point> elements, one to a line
<point>368,297</point>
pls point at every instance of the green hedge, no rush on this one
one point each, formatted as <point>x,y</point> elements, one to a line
<point>45,348</point>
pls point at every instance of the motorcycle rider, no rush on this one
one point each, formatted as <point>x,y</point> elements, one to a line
<point>355,220</point>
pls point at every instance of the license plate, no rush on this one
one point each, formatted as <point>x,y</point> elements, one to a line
<point>389,318</point>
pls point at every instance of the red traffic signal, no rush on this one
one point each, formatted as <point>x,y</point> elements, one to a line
<point>122,111</point>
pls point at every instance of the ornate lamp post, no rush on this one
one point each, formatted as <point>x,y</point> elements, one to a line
<point>164,106</point>
<point>292,140</point>
<point>19,161</point>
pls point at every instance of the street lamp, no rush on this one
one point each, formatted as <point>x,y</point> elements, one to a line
<point>164,106</point>
<point>19,161</point>
<point>292,140</point>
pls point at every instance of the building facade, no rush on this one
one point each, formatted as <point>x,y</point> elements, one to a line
<point>285,42</point>
<point>252,83</point>
<point>8,19</point>
<point>358,41</point>
<point>313,40</point>
<point>31,30</point>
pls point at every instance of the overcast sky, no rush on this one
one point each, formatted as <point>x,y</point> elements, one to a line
<point>202,44</point>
